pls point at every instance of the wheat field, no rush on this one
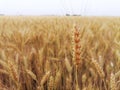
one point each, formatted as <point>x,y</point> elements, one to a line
<point>59,53</point>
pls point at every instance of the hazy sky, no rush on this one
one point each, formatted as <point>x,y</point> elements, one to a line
<point>60,7</point>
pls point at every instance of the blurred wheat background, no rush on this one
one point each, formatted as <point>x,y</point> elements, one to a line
<point>59,53</point>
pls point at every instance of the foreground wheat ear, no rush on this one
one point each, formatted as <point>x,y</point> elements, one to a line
<point>76,45</point>
<point>76,52</point>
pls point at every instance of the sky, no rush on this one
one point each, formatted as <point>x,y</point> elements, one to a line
<point>60,7</point>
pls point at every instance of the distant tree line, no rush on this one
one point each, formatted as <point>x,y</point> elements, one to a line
<point>72,15</point>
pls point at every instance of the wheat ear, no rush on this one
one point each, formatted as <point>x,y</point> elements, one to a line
<point>76,52</point>
<point>45,78</point>
<point>31,74</point>
<point>112,82</point>
<point>76,46</point>
<point>98,68</point>
<point>51,83</point>
<point>13,73</point>
<point>117,74</point>
<point>68,66</point>
<point>57,79</point>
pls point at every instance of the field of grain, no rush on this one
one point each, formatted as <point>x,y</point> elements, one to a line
<point>59,53</point>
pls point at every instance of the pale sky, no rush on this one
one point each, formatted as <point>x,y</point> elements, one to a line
<point>60,7</point>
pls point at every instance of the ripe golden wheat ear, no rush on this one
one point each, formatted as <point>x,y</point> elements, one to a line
<point>98,68</point>
<point>68,66</point>
<point>45,78</point>
<point>76,52</point>
<point>13,73</point>
<point>31,74</point>
<point>76,46</point>
<point>99,71</point>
